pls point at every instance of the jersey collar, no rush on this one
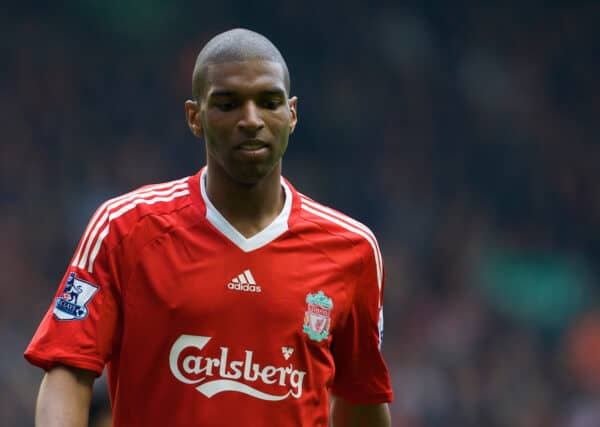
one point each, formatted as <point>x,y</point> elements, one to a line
<point>263,237</point>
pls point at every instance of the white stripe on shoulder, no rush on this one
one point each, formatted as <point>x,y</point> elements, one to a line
<point>102,210</point>
<point>350,221</point>
<point>345,218</point>
<point>117,204</point>
<point>350,227</point>
<point>123,210</point>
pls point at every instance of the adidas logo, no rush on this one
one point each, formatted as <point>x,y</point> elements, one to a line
<point>244,282</point>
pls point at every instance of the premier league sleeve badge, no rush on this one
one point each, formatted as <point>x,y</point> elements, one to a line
<point>71,303</point>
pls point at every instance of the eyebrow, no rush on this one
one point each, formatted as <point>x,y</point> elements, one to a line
<point>223,92</point>
<point>273,92</point>
<point>227,92</point>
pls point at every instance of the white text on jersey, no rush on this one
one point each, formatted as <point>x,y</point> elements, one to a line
<point>244,282</point>
<point>227,372</point>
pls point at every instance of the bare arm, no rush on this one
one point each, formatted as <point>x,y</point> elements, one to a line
<point>64,398</point>
<point>345,414</point>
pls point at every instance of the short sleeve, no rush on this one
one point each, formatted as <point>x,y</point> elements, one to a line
<point>361,375</point>
<point>80,328</point>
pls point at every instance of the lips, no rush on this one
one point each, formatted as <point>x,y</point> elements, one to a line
<point>252,145</point>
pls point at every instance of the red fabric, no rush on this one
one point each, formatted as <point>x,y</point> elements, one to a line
<point>174,336</point>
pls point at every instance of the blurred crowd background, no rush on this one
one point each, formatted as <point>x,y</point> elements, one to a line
<point>464,133</point>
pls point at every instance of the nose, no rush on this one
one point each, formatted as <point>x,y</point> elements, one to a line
<point>251,121</point>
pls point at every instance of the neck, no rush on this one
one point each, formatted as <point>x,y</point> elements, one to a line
<point>248,207</point>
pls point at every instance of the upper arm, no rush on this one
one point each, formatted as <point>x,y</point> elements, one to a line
<point>81,326</point>
<point>361,375</point>
<point>345,414</point>
<point>64,397</point>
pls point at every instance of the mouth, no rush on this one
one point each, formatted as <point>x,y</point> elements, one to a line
<point>252,145</point>
<point>253,150</point>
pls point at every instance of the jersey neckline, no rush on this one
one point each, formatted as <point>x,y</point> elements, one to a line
<point>260,239</point>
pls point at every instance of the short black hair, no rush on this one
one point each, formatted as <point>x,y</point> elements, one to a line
<point>235,45</point>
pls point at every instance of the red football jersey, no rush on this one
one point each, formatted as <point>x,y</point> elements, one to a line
<point>198,325</point>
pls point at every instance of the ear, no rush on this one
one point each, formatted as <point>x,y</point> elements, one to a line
<point>293,105</point>
<point>192,115</point>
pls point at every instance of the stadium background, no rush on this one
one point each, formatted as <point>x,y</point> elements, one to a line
<point>466,135</point>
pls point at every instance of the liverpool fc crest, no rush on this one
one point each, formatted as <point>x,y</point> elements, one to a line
<point>317,317</point>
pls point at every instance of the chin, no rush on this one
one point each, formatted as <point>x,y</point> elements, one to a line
<point>252,174</point>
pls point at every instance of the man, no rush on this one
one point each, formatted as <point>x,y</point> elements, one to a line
<point>226,298</point>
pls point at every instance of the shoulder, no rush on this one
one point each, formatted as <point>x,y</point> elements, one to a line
<point>327,224</point>
<point>148,201</point>
<point>334,222</point>
<point>151,205</point>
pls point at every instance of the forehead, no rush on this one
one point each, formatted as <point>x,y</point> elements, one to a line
<point>244,76</point>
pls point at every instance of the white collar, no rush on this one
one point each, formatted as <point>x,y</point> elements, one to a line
<point>260,239</point>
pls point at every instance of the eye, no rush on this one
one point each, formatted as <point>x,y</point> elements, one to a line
<point>272,103</point>
<point>225,105</point>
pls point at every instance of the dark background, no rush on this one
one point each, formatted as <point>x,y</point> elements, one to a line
<point>465,134</point>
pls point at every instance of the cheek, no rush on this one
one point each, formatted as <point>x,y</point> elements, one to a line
<point>280,124</point>
<point>216,129</point>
